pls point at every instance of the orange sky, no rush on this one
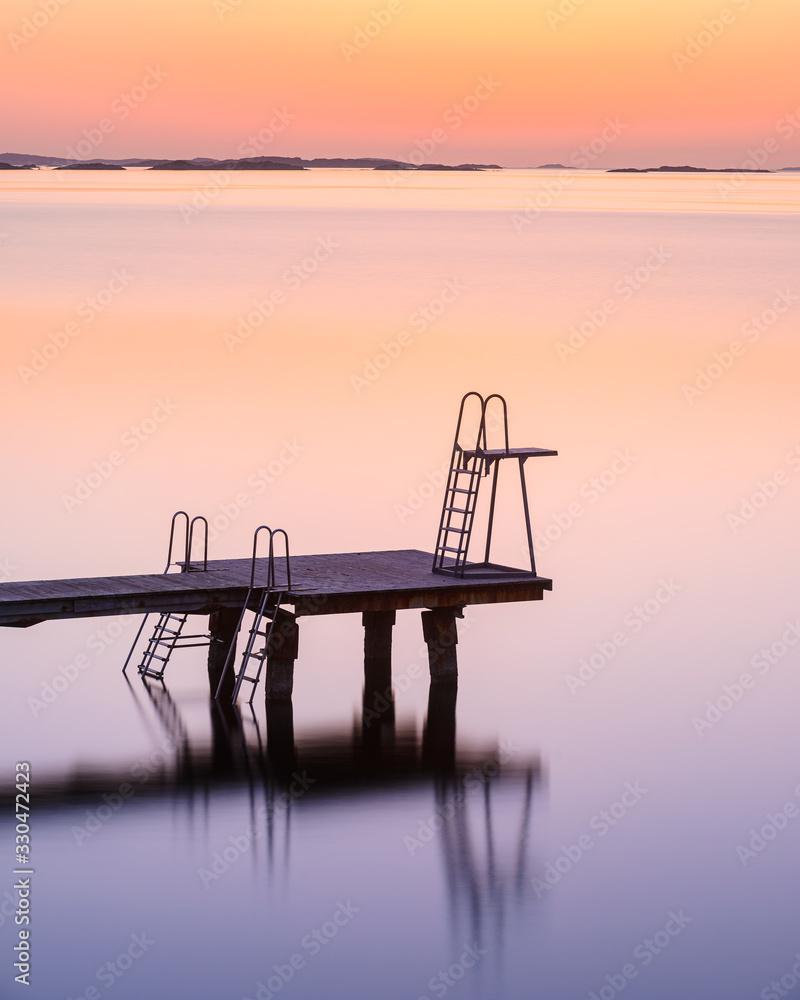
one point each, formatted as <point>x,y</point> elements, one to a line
<point>687,81</point>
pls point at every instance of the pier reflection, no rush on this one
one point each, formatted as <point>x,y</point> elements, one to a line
<point>475,800</point>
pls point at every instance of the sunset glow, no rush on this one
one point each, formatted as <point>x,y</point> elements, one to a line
<point>690,81</point>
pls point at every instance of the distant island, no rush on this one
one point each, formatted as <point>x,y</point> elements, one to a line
<point>692,170</point>
<point>89,166</point>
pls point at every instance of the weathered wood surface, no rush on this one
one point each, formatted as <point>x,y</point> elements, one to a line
<point>335,583</point>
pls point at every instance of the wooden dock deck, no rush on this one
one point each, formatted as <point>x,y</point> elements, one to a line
<point>336,583</point>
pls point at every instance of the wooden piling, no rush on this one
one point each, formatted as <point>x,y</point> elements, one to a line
<point>222,629</point>
<point>378,649</point>
<point>281,654</point>
<point>441,637</point>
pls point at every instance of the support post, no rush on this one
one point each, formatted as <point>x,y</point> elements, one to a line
<point>281,654</point>
<point>378,703</point>
<point>378,649</point>
<point>222,629</point>
<point>527,514</point>
<point>441,637</point>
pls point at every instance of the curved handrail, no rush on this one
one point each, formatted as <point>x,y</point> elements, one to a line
<point>280,531</point>
<point>495,395</point>
<point>271,556</point>
<point>188,564</point>
<point>461,417</point>
<point>175,516</point>
<point>261,527</point>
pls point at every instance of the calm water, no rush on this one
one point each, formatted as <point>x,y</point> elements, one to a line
<point>613,803</point>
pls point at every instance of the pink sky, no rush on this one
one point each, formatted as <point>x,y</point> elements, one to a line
<point>517,82</point>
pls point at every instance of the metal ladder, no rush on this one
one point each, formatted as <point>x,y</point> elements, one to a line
<point>472,461</point>
<point>467,468</point>
<point>167,635</point>
<point>269,598</point>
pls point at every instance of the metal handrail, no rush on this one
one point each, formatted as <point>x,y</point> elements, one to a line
<point>270,557</point>
<point>481,425</point>
<point>175,516</point>
<point>184,565</point>
<point>495,395</point>
<point>280,531</point>
<point>188,564</point>
<point>268,590</point>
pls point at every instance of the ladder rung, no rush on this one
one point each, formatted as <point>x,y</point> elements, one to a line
<point>457,510</point>
<point>448,548</point>
<point>460,531</point>
<point>459,489</point>
<point>468,472</point>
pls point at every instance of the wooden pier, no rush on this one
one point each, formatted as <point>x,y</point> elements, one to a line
<point>374,584</point>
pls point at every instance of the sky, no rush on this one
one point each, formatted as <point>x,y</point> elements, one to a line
<point>599,83</point>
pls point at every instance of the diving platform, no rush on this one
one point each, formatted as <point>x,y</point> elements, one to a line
<point>278,590</point>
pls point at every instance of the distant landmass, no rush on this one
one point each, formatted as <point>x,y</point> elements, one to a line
<point>28,160</point>
<point>688,169</point>
<point>31,161</point>
<point>221,165</point>
<point>89,166</point>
